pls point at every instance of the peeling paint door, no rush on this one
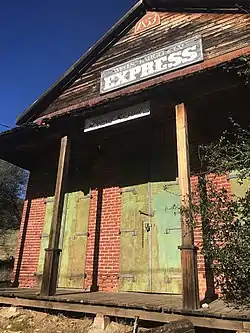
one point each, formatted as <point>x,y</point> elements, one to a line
<point>134,245</point>
<point>73,239</point>
<point>150,235</point>
<point>239,189</point>
<point>74,242</point>
<point>166,237</point>
<point>44,237</point>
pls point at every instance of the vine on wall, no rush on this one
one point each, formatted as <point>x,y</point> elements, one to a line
<point>225,217</point>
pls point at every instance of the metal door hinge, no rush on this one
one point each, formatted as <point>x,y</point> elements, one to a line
<point>132,189</point>
<point>167,231</point>
<point>84,197</point>
<point>127,276</point>
<point>128,230</point>
<point>49,200</point>
<point>233,176</point>
<point>44,235</point>
<point>80,234</point>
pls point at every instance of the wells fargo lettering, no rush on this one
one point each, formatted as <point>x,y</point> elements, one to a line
<point>167,59</point>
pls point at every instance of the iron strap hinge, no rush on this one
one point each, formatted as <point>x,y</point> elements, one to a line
<point>188,247</point>
<point>167,232</point>
<point>88,196</point>
<point>128,230</point>
<point>80,234</point>
<point>132,189</point>
<point>49,200</point>
<point>127,276</point>
<point>44,235</point>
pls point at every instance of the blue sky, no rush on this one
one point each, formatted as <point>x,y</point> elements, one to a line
<point>40,40</point>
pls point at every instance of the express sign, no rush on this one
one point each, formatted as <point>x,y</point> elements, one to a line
<point>159,62</point>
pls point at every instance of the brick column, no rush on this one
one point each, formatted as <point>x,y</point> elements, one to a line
<point>109,239</point>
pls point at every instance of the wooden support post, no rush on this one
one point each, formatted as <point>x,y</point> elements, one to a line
<point>188,251</point>
<point>52,254</point>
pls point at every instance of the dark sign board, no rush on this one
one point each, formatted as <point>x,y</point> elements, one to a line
<point>117,117</point>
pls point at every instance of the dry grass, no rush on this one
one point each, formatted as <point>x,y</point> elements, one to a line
<point>27,321</point>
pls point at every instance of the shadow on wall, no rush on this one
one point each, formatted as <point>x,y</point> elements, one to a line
<point>22,244</point>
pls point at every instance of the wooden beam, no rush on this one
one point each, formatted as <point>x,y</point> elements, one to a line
<point>52,254</point>
<point>188,250</point>
<point>197,321</point>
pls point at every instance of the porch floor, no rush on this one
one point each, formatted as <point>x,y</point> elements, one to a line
<point>153,307</point>
<point>125,299</point>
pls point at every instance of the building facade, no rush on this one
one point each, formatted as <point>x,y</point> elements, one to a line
<point>120,227</point>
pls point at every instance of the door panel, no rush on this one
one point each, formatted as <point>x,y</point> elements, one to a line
<point>73,239</point>
<point>166,237</point>
<point>239,189</point>
<point>134,268</point>
<point>45,235</point>
<point>72,264</point>
<point>150,236</point>
<point>64,278</point>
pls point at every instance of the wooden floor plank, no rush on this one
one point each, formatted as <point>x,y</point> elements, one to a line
<point>124,313</point>
<point>155,307</point>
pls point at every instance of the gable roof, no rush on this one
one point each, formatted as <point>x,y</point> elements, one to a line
<point>111,37</point>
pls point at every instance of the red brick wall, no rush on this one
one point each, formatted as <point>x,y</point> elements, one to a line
<point>198,244</point>
<point>219,182</point>
<point>109,239</point>
<point>33,220</point>
<point>32,223</point>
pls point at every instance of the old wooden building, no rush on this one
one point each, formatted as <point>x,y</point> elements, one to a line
<point>120,122</point>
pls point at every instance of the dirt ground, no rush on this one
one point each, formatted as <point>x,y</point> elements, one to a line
<point>16,320</point>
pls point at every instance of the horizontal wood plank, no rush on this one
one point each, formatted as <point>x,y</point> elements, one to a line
<point>126,313</point>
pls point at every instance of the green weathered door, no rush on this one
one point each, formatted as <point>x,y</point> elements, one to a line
<point>150,235</point>
<point>134,265</point>
<point>73,240</point>
<point>239,189</point>
<point>166,237</point>
<point>45,237</point>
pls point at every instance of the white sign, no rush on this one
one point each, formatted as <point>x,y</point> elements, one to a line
<point>116,117</point>
<point>165,60</point>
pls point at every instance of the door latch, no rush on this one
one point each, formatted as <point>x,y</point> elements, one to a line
<point>147,214</point>
<point>147,227</point>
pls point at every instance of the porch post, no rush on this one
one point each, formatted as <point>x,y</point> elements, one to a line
<point>52,253</point>
<point>188,251</point>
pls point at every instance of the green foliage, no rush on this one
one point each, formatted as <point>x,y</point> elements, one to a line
<point>13,181</point>
<point>230,153</point>
<point>241,67</point>
<point>226,242</point>
<point>225,218</point>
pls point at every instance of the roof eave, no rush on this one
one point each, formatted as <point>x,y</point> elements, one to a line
<point>209,4</point>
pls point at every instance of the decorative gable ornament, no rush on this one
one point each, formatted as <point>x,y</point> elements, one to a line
<point>150,20</point>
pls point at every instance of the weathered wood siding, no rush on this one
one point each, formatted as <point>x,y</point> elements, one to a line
<point>221,33</point>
